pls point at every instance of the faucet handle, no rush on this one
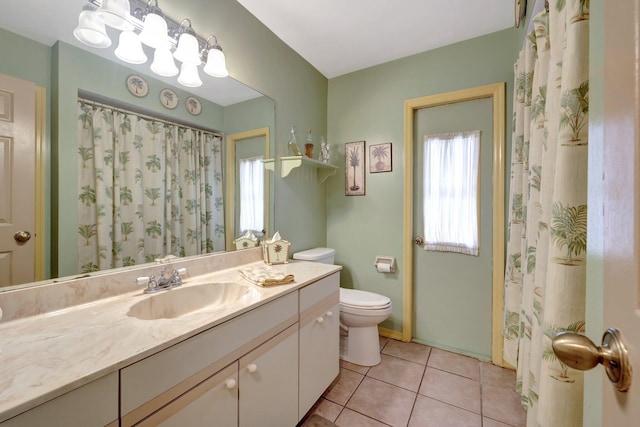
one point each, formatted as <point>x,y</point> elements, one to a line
<point>149,281</point>
<point>181,271</point>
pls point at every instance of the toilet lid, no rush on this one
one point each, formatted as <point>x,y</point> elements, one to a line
<point>363,299</point>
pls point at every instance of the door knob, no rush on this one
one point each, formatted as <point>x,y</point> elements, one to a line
<point>252,367</point>
<point>418,240</point>
<point>22,236</point>
<point>579,352</point>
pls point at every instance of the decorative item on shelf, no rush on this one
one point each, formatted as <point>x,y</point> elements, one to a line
<point>308,147</point>
<point>275,250</point>
<point>141,23</point>
<point>354,184</point>
<point>323,155</point>
<point>193,105</point>
<point>169,99</point>
<point>137,85</point>
<point>292,145</point>
<point>246,241</point>
<point>380,158</point>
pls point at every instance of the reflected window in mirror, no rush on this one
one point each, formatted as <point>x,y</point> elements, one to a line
<point>251,178</point>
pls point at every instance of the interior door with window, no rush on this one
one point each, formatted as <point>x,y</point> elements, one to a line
<point>453,291</point>
<point>17,180</point>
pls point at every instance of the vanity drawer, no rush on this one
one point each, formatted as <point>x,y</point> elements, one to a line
<point>316,292</point>
<point>153,382</point>
<point>93,404</point>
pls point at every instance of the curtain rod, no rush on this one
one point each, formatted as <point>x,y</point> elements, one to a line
<point>129,109</point>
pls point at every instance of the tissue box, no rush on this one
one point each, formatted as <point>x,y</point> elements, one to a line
<point>276,252</point>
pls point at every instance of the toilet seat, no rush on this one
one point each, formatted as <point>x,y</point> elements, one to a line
<point>363,300</point>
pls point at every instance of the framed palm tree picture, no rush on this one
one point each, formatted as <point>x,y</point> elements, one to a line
<point>354,168</point>
<point>380,158</point>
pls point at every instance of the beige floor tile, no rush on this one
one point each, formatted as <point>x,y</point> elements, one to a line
<point>349,418</point>
<point>503,405</point>
<point>488,422</point>
<point>455,363</point>
<point>411,351</point>
<point>450,388</point>
<point>326,409</point>
<point>383,341</point>
<point>396,371</point>
<point>383,402</point>
<point>432,413</point>
<point>498,376</point>
<point>343,387</point>
<point>353,367</point>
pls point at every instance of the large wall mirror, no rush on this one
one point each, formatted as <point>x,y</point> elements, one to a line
<point>229,107</point>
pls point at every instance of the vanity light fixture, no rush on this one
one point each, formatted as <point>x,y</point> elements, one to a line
<point>91,29</point>
<point>140,23</point>
<point>216,63</point>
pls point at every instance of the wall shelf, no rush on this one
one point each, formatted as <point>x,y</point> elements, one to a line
<point>269,164</point>
<point>325,170</point>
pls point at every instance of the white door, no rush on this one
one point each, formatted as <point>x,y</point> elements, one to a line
<point>17,180</point>
<point>621,196</point>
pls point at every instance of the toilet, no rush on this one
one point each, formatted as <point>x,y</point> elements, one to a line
<point>360,314</point>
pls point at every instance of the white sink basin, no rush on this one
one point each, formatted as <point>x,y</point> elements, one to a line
<point>186,299</point>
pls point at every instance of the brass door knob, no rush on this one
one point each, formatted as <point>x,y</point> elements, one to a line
<point>579,352</point>
<point>22,236</point>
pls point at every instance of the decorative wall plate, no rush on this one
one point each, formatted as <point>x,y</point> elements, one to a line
<point>193,105</point>
<point>137,85</point>
<point>169,99</point>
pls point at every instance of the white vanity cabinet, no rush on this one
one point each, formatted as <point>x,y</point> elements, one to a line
<point>94,404</point>
<point>319,339</point>
<point>158,380</point>
<point>269,382</point>
<point>212,402</point>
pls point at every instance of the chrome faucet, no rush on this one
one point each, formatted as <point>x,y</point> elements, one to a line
<point>162,283</point>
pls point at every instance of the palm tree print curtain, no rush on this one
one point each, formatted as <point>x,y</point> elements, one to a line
<point>147,188</point>
<point>545,275</point>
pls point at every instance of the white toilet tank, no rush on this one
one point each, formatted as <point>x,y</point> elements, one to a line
<point>321,255</point>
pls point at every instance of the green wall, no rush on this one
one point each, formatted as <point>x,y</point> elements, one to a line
<point>368,105</point>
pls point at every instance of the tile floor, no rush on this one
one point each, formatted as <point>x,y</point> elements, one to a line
<point>416,385</point>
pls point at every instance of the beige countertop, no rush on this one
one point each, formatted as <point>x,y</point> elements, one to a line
<point>49,354</point>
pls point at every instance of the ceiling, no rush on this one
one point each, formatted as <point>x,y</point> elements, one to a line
<point>335,36</point>
<point>342,36</point>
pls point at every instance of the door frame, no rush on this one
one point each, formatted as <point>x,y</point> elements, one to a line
<point>496,92</point>
<point>230,172</point>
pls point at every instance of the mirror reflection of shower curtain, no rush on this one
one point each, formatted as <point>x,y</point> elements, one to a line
<point>251,178</point>
<point>147,188</point>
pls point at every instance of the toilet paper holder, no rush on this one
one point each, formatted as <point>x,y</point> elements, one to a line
<point>385,264</point>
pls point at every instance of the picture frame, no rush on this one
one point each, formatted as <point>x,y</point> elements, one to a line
<point>380,158</point>
<point>355,165</point>
<point>137,85</point>
<point>169,99</point>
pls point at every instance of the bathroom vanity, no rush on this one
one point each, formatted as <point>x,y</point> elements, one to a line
<point>240,363</point>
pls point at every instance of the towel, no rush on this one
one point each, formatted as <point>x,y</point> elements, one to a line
<point>265,276</point>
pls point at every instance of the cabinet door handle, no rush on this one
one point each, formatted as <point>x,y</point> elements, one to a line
<point>320,319</point>
<point>252,367</point>
<point>230,383</point>
<point>329,313</point>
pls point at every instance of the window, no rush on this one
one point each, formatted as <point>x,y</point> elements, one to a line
<point>251,194</point>
<point>451,192</point>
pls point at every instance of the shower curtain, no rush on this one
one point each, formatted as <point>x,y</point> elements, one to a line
<point>147,188</point>
<point>545,275</point>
